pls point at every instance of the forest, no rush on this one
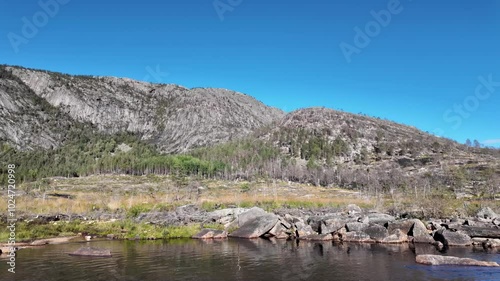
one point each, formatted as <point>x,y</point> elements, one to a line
<point>306,158</point>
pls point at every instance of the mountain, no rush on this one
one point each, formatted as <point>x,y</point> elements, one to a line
<point>172,117</point>
<point>332,148</point>
<point>62,125</point>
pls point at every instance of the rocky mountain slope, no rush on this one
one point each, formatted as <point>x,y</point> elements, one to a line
<point>333,148</point>
<point>235,136</point>
<point>173,117</point>
<point>371,153</point>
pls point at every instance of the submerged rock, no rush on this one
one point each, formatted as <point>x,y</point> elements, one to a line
<point>91,252</point>
<point>210,234</point>
<point>448,260</point>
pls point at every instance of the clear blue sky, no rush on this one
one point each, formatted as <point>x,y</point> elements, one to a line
<point>416,69</point>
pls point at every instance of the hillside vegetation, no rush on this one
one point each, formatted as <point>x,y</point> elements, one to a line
<point>74,126</point>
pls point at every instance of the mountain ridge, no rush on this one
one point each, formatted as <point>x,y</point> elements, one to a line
<point>229,134</point>
<point>156,111</point>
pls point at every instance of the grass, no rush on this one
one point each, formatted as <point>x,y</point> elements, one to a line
<point>126,229</point>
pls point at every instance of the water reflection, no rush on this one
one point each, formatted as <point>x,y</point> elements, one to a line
<point>236,259</point>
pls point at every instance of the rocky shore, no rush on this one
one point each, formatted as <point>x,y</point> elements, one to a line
<point>356,225</point>
<point>351,224</point>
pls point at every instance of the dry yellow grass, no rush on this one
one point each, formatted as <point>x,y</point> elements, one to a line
<point>112,193</point>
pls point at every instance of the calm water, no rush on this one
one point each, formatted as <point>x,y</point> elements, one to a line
<point>241,260</point>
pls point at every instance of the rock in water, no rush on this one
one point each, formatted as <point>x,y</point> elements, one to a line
<point>452,238</point>
<point>256,227</point>
<point>420,233</point>
<point>377,232</point>
<point>250,215</point>
<point>91,252</point>
<point>355,236</point>
<point>447,260</point>
<point>317,237</point>
<point>210,234</point>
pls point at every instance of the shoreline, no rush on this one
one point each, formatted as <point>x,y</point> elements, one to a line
<point>349,225</point>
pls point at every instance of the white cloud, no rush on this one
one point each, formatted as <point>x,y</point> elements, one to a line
<point>493,141</point>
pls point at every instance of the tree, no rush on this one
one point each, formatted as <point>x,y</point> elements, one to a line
<point>468,143</point>
<point>477,144</point>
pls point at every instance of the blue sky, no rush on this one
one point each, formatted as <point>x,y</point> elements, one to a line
<point>414,62</point>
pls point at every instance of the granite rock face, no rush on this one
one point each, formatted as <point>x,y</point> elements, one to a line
<point>173,117</point>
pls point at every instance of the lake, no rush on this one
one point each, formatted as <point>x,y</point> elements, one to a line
<point>236,259</point>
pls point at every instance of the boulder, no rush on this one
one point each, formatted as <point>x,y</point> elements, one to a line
<point>292,219</point>
<point>210,234</point>
<point>285,223</point>
<point>377,232</point>
<point>204,234</point>
<point>436,225</point>
<point>402,225</point>
<point>279,231</point>
<point>250,215</point>
<point>398,237</point>
<point>220,234</point>
<point>356,226</point>
<point>453,226</point>
<point>225,216</point>
<point>452,238</point>
<point>486,213</point>
<point>6,250</point>
<point>315,222</point>
<point>353,209</point>
<point>379,218</point>
<point>485,232</point>
<point>448,260</point>
<point>256,227</point>
<point>357,236</point>
<point>91,252</point>
<point>477,223</point>
<point>317,237</point>
<point>303,229</point>
<point>486,242</point>
<point>420,233</point>
<point>332,225</point>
